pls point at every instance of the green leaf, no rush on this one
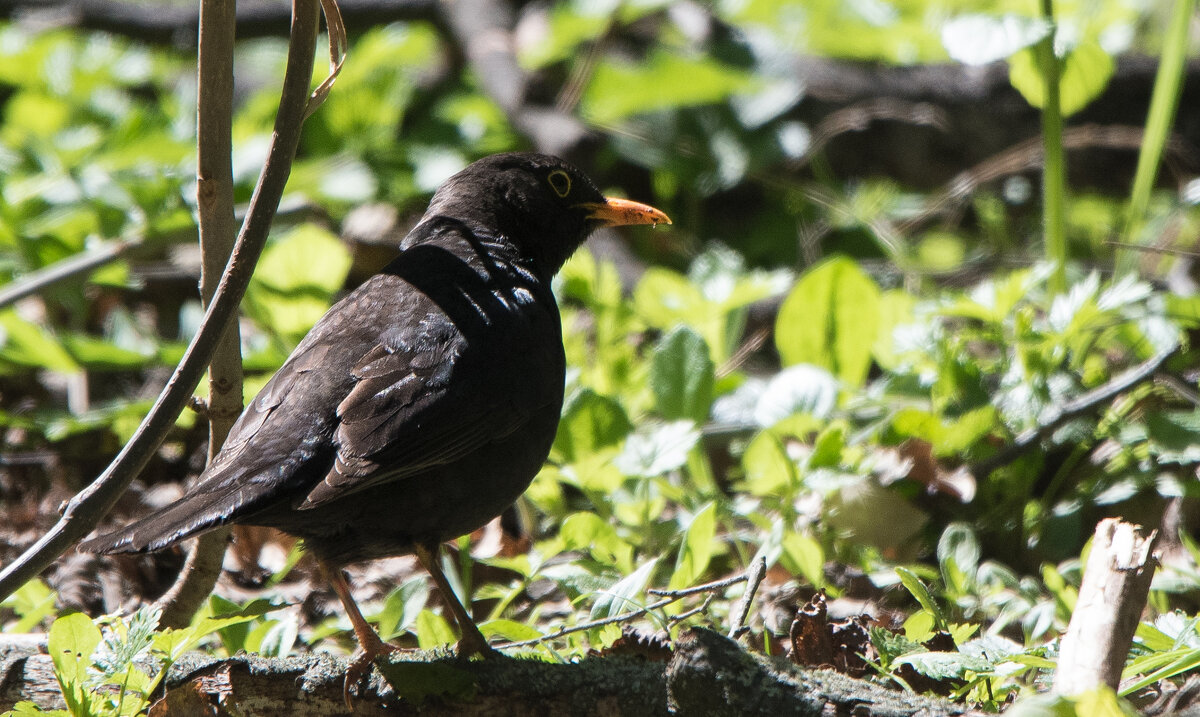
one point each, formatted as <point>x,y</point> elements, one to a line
<point>402,606</point>
<point>944,665</point>
<point>829,320</point>
<point>980,39</point>
<point>590,422</point>
<point>802,554</point>
<point>416,681</point>
<point>32,602</point>
<point>768,469</point>
<point>433,631</point>
<point>1086,71</point>
<point>510,630</point>
<point>682,375</point>
<point>661,81</point>
<point>26,344</point>
<point>72,640</point>
<point>913,584</point>
<point>622,596</point>
<point>296,279</point>
<point>697,548</point>
<point>657,449</point>
<point>587,531</point>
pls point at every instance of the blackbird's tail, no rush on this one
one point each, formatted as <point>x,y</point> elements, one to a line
<point>183,519</point>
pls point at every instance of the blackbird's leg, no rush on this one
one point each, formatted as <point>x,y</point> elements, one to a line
<point>472,641</point>
<point>369,642</point>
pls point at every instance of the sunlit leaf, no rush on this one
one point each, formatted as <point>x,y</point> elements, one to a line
<point>1085,73</point>
<point>829,320</point>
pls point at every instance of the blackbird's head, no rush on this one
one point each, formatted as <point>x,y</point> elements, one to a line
<point>543,205</point>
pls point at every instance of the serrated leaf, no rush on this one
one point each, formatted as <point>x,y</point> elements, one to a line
<point>682,375</point>
<point>944,665</point>
<point>830,320</point>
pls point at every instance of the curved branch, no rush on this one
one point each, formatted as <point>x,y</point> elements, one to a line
<point>85,510</point>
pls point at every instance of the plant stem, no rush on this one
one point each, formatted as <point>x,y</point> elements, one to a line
<point>1164,103</point>
<point>1054,167</point>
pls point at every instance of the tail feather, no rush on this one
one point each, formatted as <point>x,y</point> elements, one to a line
<point>171,524</point>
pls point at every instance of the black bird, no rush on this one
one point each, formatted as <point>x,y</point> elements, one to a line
<point>422,404</point>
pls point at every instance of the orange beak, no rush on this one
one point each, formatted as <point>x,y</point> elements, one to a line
<point>614,212</point>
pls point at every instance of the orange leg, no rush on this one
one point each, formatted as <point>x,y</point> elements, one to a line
<point>369,643</point>
<point>472,641</point>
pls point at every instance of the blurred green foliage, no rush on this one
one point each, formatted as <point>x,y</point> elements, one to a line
<point>820,405</point>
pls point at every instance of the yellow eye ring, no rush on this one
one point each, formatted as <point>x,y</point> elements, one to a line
<point>560,182</point>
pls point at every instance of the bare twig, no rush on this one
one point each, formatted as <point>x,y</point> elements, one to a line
<point>742,610</point>
<point>670,597</point>
<point>86,508</point>
<point>37,281</point>
<point>217,227</point>
<point>1073,409</point>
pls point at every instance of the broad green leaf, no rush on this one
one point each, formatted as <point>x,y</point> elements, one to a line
<point>26,344</point>
<point>72,640</point>
<point>662,81</point>
<point>830,320</point>
<point>803,555</point>
<point>624,595</point>
<point>681,376</point>
<point>980,39</point>
<point>896,308</point>
<point>589,422</point>
<point>433,630</point>
<point>1085,73</point>
<point>768,469</point>
<point>296,279</point>
<point>697,548</point>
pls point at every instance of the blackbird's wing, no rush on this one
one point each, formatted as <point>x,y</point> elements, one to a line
<point>270,453</point>
<point>435,390</point>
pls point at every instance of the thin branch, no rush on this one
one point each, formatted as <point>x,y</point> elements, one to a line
<point>90,505</point>
<point>671,596</point>
<point>218,230</point>
<point>1073,409</point>
<point>741,611</point>
<point>37,281</point>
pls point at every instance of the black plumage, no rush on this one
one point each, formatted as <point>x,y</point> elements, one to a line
<point>424,402</point>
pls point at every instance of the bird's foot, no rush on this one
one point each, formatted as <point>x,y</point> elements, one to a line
<point>360,667</point>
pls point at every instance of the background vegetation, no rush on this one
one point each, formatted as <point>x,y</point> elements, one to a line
<point>874,378</point>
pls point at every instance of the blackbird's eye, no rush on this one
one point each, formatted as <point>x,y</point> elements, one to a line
<point>560,182</point>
